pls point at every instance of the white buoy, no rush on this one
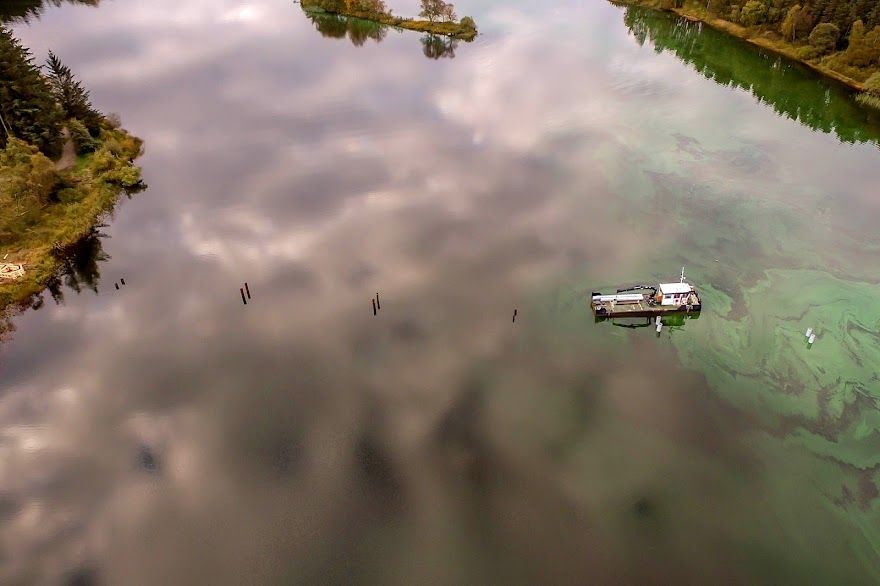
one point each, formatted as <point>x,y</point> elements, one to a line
<point>659,327</point>
<point>812,338</point>
<point>809,331</point>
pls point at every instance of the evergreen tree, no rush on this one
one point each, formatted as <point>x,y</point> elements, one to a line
<point>25,10</point>
<point>27,105</point>
<point>71,95</point>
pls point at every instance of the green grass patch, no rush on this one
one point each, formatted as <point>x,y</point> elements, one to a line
<point>33,228</point>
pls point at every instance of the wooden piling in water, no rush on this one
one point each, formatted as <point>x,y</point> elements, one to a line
<point>122,281</point>
<point>247,290</point>
<point>378,306</point>
<point>374,306</point>
<point>116,285</point>
<point>243,300</point>
<point>514,315</point>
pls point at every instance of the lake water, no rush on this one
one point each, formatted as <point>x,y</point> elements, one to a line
<point>166,433</point>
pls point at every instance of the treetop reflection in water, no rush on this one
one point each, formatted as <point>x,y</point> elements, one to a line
<point>25,9</point>
<point>172,435</point>
<point>789,88</point>
<point>437,47</point>
<point>359,31</point>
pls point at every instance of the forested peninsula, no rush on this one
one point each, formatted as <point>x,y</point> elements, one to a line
<point>439,17</point>
<point>838,38</point>
<point>63,165</point>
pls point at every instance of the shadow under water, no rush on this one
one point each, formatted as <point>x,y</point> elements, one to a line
<point>673,322</point>
<point>791,89</point>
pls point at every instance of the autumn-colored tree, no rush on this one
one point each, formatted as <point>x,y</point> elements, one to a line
<point>29,180</point>
<point>864,47</point>
<point>824,37</point>
<point>789,23</point>
<point>435,10</point>
<point>753,12</point>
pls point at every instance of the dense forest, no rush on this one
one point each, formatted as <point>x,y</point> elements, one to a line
<point>62,163</point>
<point>838,37</point>
<point>800,17</point>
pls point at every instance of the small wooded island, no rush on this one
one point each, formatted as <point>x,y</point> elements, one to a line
<point>440,18</point>
<point>837,38</point>
<point>63,165</point>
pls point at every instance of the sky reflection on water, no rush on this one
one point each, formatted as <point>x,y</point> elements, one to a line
<point>166,433</point>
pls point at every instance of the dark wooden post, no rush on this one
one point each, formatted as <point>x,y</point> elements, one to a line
<point>116,285</point>
<point>247,290</point>
<point>243,300</point>
<point>514,315</point>
<point>374,306</point>
<point>378,306</point>
<point>122,281</point>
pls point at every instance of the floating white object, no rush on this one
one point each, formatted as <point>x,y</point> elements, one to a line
<point>812,338</point>
<point>659,327</point>
<point>657,321</point>
<point>809,331</point>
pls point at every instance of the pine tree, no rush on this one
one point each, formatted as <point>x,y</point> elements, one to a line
<point>71,95</point>
<point>25,10</point>
<point>27,106</point>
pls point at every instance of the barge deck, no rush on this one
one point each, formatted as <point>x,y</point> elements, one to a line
<point>648,301</point>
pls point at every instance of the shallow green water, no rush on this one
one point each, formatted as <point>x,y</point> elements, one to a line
<point>166,432</point>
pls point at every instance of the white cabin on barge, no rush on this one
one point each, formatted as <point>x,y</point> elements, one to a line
<point>677,294</point>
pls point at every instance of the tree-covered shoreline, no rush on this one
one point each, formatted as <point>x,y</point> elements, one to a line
<point>837,38</point>
<point>48,205</point>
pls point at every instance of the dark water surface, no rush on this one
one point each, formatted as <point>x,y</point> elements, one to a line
<point>165,433</point>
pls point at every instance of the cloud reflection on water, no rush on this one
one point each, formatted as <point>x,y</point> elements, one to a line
<point>300,438</point>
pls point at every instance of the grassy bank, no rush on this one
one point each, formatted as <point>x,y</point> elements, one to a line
<point>768,38</point>
<point>46,216</point>
<point>465,29</point>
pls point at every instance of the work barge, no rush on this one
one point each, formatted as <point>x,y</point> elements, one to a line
<point>648,300</point>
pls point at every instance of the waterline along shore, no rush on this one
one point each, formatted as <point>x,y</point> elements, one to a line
<point>465,29</point>
<point>63,166</point>
<point>85,193</point>
<point>825,61</point>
